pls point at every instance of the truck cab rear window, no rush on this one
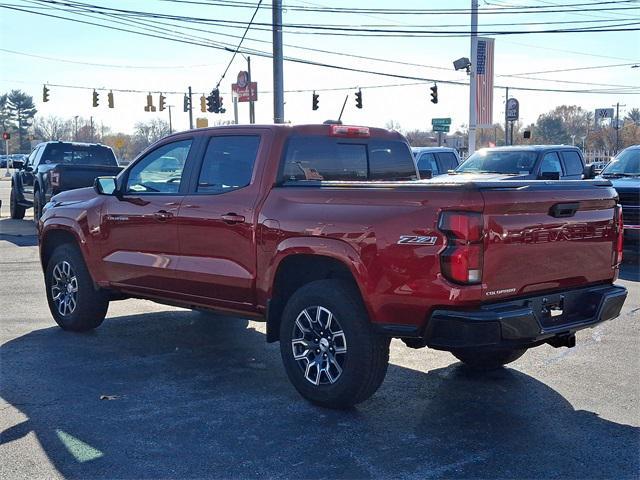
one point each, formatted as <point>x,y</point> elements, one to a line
<point>326,158</point>
<point>78,155</point>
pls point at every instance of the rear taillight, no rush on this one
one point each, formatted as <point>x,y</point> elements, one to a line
<point>461,261</point>
<point>54,178</point>
<point>619,237</point>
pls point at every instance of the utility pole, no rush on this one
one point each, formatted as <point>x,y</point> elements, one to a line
<point>506,121</point>
<point>235,109</point>
<point>278,81</point>
<point>252,113</point>
<point>472,77</point>
<point>617,127</point>
<point>91,119</point>
<point>75,136</point>
<point>170,125</point>
<point>190,110</point>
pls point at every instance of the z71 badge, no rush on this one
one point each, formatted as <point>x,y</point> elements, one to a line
<point>417,240</point>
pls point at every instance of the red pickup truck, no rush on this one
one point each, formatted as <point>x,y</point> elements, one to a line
<point>324,233</point>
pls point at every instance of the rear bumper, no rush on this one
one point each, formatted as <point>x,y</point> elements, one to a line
<point>526,321</point>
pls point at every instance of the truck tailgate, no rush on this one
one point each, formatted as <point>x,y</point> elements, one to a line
<point>547,236</point>
<point>78,176</point>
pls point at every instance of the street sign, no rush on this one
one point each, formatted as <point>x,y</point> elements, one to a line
<point>242,93</point>
<point>513,110</point>
<point>604,113</point>
<point>440,128</point>
<point>202,122</point>
<point>441,121</point>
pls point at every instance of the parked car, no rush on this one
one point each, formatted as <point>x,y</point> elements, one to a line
<point>322,232</point>
<point>523,162</point>
<point>624,173</point>
<point>434,161</point>
<point>54,167</point>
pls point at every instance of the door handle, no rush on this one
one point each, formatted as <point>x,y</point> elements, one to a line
<point>232,218</point>
<point>162,215</point>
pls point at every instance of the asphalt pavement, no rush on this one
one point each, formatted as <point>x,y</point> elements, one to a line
<point>162,392</point>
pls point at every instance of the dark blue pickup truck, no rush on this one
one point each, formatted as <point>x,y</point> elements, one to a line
<point>54,167</point>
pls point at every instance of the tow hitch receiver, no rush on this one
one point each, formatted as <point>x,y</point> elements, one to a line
<point>568,341</point>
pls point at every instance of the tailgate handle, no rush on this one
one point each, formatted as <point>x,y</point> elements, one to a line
<point>560,210</point>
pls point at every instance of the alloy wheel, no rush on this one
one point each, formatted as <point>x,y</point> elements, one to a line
<point>319,345</point>
<point>64,288</point>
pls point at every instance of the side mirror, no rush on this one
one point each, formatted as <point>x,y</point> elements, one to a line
<point>589,172</point>
<point>105,186</point>
<point>425,174</point>
<point>27,168</point>
<point>549,176</point>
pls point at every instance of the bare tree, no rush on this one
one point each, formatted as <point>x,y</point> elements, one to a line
<point>53,128</point>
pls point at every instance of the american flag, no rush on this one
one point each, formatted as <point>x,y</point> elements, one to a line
<point>484,82</point>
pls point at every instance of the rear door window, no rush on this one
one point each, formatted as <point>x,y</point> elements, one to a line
<point>551,163</point>
<point>327,158</point>
<point>228,163</point>
<point>572,163</point>
<point>427,161</point>
<point>448,161</point>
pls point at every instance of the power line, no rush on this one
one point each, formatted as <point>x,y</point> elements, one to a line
<point>319,64</point>
<point>239,44</point>
<point>318,29</point>
<point>562,70</point>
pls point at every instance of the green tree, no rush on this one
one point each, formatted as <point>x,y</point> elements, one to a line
<point>5,118</point>
<point>21,112</point>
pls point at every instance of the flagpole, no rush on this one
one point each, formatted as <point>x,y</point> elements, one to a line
<point>472,77</point>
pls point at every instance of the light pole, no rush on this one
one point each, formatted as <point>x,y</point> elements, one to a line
<point>75,134</point>
<point>472,77</point>
<point>573,140</point>
<point>170,126</point>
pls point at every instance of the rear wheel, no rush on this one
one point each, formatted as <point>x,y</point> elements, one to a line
<point>37,206</point>
<point>330,352</point>
<point>73,300</point>
<point>488,359</point>
<point>16,211</point>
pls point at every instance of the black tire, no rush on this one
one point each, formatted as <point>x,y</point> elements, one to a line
<point>90,306</point>
<point>488,359</point>
<point>365,357</point>
<point>38,203</point>
<point>16,211</point>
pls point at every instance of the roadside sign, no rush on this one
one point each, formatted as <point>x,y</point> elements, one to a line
<point>604,113</point>
<point>440,128</point>
<point>513,110</point>
<point>202,122</point>
<point>242,93</point>
<point>243,79</point>
<point>119,143</point>
<point>441,121</point>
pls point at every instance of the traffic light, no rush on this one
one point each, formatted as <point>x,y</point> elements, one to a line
<point>203,104</point>
<point>359,99</point>
<point>6,136</point>
<point>434,93</point>
<point>96,98</point>
<point>213,101</point>
<point>527,134</point>
<point>187,103</point>
<point>149,107</point>
<point>162,102</point>
<point>110,99</point>
<point>221,108</point>
<point>45,94</point>
<point>314,105</point>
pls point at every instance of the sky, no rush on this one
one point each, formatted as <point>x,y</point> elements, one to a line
<point>121,60</point>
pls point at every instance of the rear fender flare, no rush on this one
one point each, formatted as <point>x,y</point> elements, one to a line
<point>317,246</point>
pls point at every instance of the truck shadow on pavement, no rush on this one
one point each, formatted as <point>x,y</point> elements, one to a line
<point>191,395</point>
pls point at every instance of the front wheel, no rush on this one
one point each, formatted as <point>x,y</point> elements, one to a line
<point>38,203</point>
<point>74,302</point>
<point>488,359</point>
<point>16,211</point>
<point>330,352</point>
